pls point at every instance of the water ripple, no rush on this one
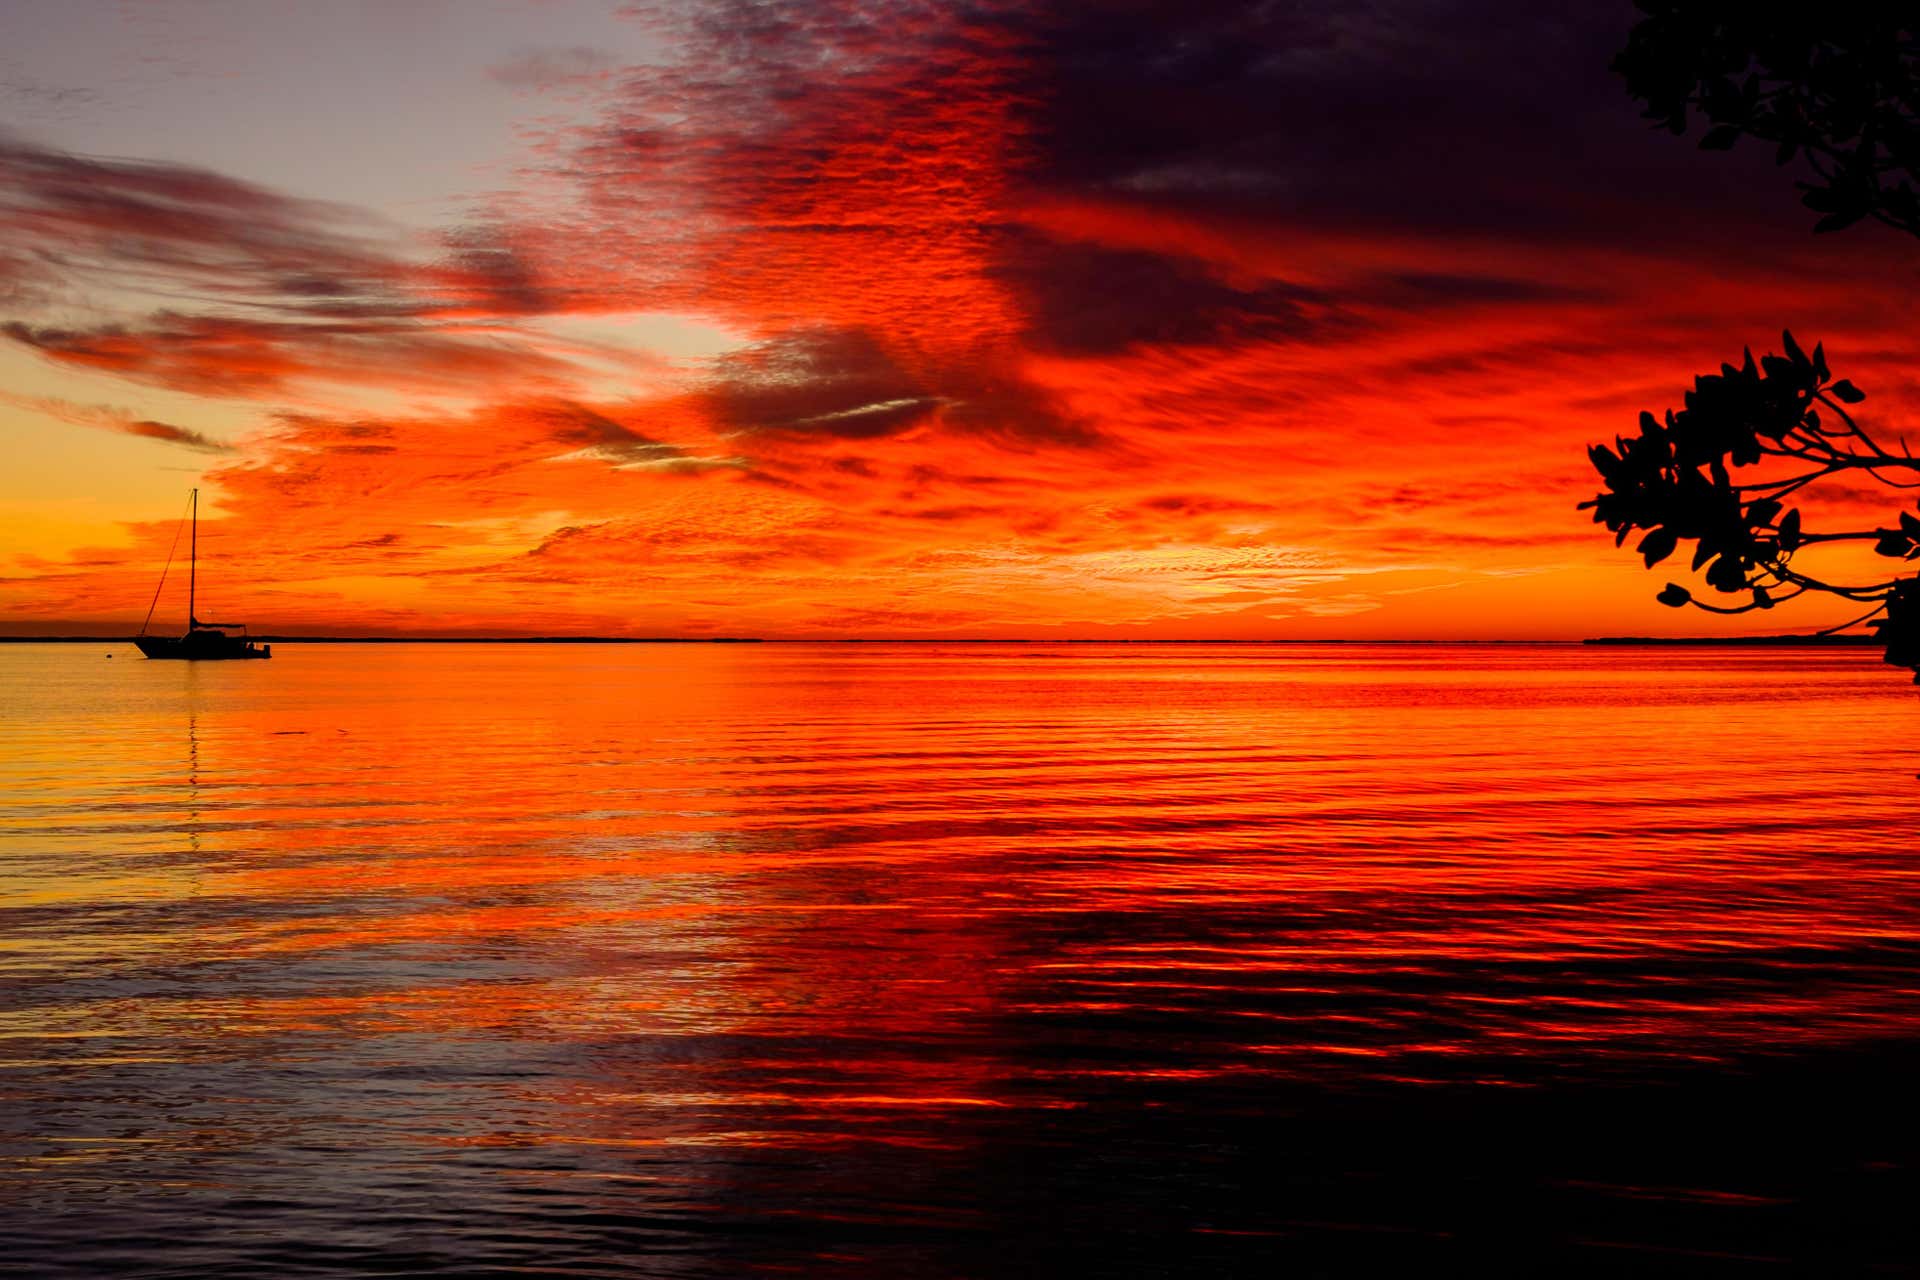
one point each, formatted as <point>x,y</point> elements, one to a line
<point>628,960</point>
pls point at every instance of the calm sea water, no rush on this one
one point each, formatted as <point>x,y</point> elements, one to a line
<point>957,960</point>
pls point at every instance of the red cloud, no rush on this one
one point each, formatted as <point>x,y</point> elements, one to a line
<point>223,356</point>
<point>1115,320</point>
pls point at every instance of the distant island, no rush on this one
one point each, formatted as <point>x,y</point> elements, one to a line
<point>1718,641</point>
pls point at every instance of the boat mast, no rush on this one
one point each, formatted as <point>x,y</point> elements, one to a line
<point>193,559</point>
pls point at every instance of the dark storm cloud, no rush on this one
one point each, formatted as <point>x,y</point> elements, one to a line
<point>842,384</point>
<point>1428,289</point>
<point>1083,299</point>
<point>1449,115</point>
<point>819,382</point>
<point>584,428</point>
<point>863,160</point>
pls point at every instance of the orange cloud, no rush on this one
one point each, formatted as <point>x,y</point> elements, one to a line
<point>1160,324</point>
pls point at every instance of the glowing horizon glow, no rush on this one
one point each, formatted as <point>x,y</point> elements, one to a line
<point>895,320</point>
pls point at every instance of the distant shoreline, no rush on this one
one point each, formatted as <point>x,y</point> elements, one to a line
<point>270,639</point>
<point>1808,641</point>
<point>1814,641</point>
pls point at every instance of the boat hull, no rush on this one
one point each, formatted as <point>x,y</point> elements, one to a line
<point>202,646</point>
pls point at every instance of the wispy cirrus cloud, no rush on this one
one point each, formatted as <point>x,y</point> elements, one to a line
<point>235,356</point>
<point>147,226</point>
<point>110,418</point>
<point>221,287</point>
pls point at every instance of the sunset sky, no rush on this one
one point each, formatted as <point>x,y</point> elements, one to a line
<point>844,318</point>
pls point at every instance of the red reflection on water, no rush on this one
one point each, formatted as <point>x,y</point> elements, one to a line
<point>628,896</point>
<point>895,831</point>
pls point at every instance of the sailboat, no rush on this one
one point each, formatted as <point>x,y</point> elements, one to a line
<point>204,640</point>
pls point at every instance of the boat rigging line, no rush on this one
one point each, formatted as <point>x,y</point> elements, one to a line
<point>163,569</point>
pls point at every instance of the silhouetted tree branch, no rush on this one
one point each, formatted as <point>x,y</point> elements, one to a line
<point>1834,85</point>
<point>1839,87</point>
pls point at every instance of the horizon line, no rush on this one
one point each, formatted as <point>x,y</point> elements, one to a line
<point>1621,641</point>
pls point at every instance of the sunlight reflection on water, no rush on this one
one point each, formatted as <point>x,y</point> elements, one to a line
<point>704,958</point>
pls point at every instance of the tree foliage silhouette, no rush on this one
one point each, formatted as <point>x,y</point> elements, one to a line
<point>1838,88</point>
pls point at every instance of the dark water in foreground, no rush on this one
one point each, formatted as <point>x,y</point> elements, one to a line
<point>958,961</point>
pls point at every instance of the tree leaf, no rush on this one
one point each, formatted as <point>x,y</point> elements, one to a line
<point>1847,392</point>
<point>1790,531</point>
<point>1727,574</point>
<point>1794,353</point>
<point>1675,596</point>
<point>1657,546</point>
